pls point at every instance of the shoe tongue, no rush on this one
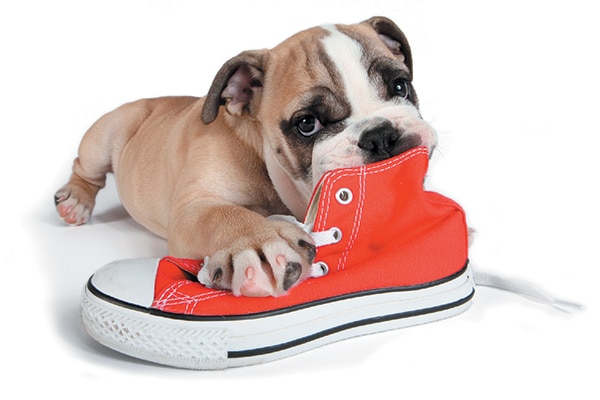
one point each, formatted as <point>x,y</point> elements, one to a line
<point>391,173</point>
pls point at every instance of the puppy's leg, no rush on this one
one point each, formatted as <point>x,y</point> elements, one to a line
<point>104,140</point>
<point>248,254</point>
<point>76,199</point>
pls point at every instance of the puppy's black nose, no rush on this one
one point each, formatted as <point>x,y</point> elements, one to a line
<point>379,142</point>
<point>384,141</point>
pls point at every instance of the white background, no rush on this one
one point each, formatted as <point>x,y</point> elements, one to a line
<point>512,87</point>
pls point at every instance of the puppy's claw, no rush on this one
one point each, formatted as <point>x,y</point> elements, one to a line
<point>217,276</point>
<point>293,271</point>
<point>61,195</point>
<point>311,249</point>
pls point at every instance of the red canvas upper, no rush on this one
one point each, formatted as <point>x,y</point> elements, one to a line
<point>394,234</point>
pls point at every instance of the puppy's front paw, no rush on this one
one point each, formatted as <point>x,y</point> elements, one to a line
<point>267,262</point>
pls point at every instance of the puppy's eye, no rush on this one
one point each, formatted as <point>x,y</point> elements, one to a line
<point>308,125</point>
<point>401,88</point>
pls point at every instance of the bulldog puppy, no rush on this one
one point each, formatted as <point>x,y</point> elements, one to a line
<point>205,172</point>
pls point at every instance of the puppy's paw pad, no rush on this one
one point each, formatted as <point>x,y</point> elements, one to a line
<point>286,263</point>
<point>253,285</point>
<point>251,276</point>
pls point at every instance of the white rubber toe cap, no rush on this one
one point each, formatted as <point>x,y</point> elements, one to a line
<point>130,281</point>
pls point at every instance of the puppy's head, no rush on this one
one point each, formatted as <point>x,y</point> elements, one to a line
<point>326,98</point>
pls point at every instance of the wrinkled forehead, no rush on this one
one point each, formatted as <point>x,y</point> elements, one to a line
<point>300,63</point>
<point>334,61</point>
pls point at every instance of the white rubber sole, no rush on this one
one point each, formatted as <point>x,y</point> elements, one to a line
<point>221,342</point>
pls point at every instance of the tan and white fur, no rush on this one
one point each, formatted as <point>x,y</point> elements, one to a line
<point>205,172</point>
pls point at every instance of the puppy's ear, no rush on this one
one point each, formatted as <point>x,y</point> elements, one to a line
<point>237,86</point>
<point>393,38</point>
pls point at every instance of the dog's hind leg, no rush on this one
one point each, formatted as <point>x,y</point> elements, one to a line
<point>97,151</point>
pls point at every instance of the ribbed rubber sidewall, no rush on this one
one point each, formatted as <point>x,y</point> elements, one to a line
<point>222,343</point>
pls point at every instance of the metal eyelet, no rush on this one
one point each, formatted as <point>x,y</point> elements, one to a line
<point>324,268</point>
<point>319,269</point>
<point>336,233</point>
<point>344,196</point>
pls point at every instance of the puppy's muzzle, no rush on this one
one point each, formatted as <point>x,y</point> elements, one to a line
<point>384,141</point>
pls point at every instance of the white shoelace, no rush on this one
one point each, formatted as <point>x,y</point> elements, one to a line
<point>481,278</point>
<point>524,288</point>
<point>323,238</point>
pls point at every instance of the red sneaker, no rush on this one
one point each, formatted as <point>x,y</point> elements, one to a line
<point>396,256</point>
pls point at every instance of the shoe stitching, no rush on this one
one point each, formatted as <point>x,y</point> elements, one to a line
<point>197,302</point>
<point>173,296</point>
<point>186,266</point>
<point>190,302</point>
<point>177,297</point>
<point>327,194</point>
<point>168,294</point>
<point>194,301</point>
<point>357,219</point>
<point>369,169</point>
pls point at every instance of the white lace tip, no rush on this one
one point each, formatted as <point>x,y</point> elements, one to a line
<point>567,306</point>
<point>525,289</point>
